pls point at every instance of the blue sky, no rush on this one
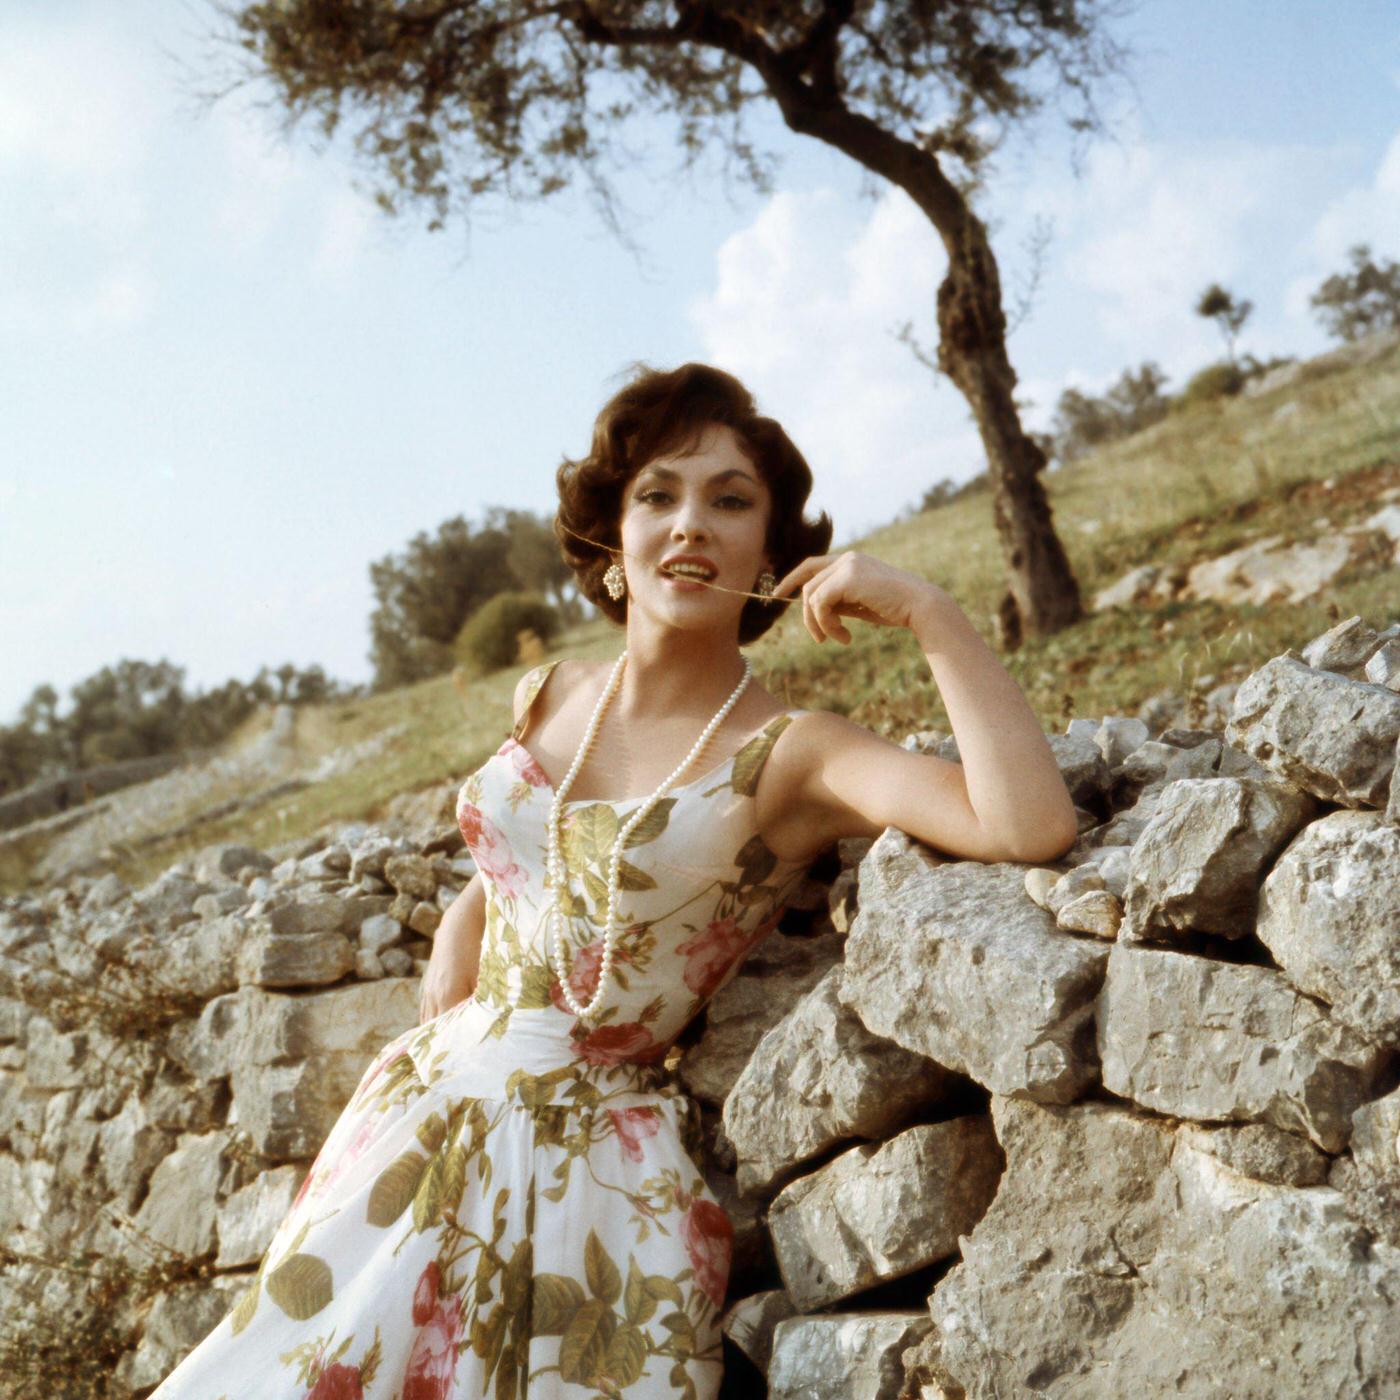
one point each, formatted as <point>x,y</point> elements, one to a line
<point>227,383</point>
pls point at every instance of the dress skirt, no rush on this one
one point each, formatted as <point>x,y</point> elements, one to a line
<point>491,1215</point>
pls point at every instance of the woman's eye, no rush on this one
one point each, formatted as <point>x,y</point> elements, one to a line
<point>739,501</point>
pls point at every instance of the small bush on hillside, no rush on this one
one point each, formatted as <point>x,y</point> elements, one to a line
<point>1084,421</point>
<point>946,491</point>
<point>1217,381</point>
<point>491,638</point>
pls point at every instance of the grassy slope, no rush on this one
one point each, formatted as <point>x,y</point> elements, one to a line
<point>1195,486</point>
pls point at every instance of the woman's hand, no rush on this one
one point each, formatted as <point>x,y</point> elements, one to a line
<point>445,981</point>
<point>453,966</point>
<point>855,585</point>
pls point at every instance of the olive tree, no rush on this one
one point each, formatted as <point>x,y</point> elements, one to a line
<point>455,99</point>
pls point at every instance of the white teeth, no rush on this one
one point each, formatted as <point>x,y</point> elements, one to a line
<point>693,570</point>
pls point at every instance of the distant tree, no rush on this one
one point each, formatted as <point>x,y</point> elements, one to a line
<point>425,595</point>
<point>536,561</point>
<point>455,99</point>
<point>1082,421</point>
<point>130,710</point>
<point>1362,302</point>
<point>1220,306</point>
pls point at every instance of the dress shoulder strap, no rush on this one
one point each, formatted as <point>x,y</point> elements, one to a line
<point>533,686</point>
<point>748,763</point>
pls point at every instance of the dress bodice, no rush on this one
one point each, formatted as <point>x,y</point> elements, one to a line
<point>699,889</point>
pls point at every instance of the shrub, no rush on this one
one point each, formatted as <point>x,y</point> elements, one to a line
<point>1082,421</point>
<point>491,637</point>
<point>1215,381</point>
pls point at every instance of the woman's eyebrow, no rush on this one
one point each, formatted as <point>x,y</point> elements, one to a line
<point>671,475</point>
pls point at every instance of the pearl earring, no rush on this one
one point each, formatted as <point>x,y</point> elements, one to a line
<point>766,584</point>
<point>615,581</point>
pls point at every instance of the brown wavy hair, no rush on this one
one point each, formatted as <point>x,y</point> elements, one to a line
<point>660,412</point>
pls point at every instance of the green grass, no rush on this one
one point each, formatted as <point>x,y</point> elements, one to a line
<point>1200,483</point>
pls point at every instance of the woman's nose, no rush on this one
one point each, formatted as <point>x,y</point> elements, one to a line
<point>689,524</point>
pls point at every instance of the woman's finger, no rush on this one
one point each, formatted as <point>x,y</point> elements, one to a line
<point>810,591</point>
<point>824,598</point>
<point>796,577</point>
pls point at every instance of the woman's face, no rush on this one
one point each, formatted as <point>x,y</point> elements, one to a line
<point>712,503</point>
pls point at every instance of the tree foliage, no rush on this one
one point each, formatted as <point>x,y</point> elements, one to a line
<point>139,709</point>
<point>1362,301</point>
<point>425,594</point>
<point>491,638</point>
<point>450,100</point>
<point>1083,421</point>
<point>1219,305</point>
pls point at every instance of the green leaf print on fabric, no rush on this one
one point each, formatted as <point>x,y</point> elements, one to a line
<point>553,1302</point>
<point>301,1285</point>
<point>600,1271</point>
<point>395,1189</point>
<point>749,761</point>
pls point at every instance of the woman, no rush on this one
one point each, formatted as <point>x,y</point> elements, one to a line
<point>511,1203</point>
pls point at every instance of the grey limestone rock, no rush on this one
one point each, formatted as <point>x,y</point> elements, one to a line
<point>818,1078</point>
<point>954,961</point>
<point>882,1210</point>
<point>843,1356</point>
<point>1326,734</point>
<point>1121,1258</point>
<point>1329,912</point>
<point>773,979</point>
<point>1198,1038</point>
<point>1198,863</point>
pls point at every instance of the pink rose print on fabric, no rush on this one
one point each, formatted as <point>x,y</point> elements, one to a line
<point>490,849</point>
<point>523,761</point>
<point>711,953</point>
<point>629,1042</point>
<point>632,1125</point>
<point>433,1360</point>
<point>338,1382</point>
<point>708,1234</point>
<point>425,1296</point>
<point>584,970</point>
<point>322,1176</point>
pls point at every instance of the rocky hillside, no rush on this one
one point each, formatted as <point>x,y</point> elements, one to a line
<point>1125,1125</point>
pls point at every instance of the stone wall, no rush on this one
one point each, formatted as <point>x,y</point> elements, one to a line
<point>1124,1125</point>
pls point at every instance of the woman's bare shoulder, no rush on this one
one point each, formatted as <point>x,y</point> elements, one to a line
<point>568,670</point>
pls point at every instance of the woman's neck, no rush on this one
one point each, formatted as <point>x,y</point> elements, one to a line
<point>676,672</point>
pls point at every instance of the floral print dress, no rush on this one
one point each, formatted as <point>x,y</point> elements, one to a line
<point>511,1204</point>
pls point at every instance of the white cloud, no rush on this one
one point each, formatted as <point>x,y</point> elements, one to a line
<point>77,124</point>
<point>1364,214</point>
<point>119,297</point>
<point>804,309</point>
<point>1151,226</point>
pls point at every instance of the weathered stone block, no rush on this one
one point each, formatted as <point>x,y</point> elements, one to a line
<point>1329,912</point>
<point>816,1079</point>
<point>952,960</point>
<point>1203,1039</point>
<point>882,1210</point>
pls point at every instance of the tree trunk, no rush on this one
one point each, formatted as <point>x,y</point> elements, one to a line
<point>1042,594</point>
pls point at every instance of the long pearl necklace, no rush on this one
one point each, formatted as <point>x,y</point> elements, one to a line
<point>557,874</point>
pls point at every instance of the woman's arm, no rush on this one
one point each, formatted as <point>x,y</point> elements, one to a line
<point>1005,799</point>
<point>452,968</point>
